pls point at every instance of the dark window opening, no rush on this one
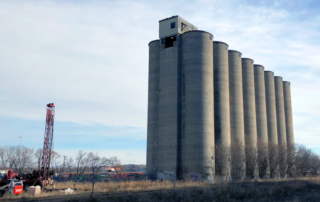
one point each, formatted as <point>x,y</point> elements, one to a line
<point>183,26</point>
<point>168,42</point>
<point>162,41</point>
<point>173,25</point>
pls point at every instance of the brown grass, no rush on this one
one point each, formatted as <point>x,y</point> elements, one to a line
<point>298,189</point>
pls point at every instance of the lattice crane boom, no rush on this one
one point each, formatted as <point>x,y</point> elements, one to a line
<point>48,138</point>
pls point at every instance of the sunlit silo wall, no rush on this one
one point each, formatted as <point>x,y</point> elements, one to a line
<point>289,125</point>
<point>250,124</point>
<point>281,125</point>
<point>236,115</point>
<point>222,108</point>
<point>271,122</point>
<point>271,108</point>
<point>209,109</point>
<point>261,117</point>
<point>197,147</point>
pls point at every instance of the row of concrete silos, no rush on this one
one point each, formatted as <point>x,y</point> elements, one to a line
<point>205,98</point>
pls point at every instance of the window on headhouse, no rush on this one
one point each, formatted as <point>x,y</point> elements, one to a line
<point>173,25</point>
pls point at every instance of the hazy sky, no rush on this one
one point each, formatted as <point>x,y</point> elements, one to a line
<point>91,59</point>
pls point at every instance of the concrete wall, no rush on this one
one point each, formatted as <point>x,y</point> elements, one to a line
<point>261,116</point>
<point>153,109</point>
<point>271,108</point>
<point>168,108</point>
<point>197,137</point>
<point>261,108</point>
<point>236,114</point>
<point>221,107</point>
<point>281,123</point>
<point>289,125</point>
<point>165,29</point>
<point>249,107</point>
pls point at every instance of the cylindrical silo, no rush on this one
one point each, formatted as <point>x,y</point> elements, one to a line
<point>153,105</point>
<point>272,123</point>
<point>249,109</point>
<point>281,124</point>
<point>261,116</point>
<point>197,137</point>
<point>168,134</point>
<point>271,108</point>
<point>289,124</point>
<point>236,115</point>
<point>221,108</point>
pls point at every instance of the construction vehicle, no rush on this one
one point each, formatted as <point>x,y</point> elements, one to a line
<point>47,145</point>
<point>42,176</point>
<point>13,186</point>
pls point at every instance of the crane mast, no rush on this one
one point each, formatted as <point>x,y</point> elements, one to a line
<point>47,145</point>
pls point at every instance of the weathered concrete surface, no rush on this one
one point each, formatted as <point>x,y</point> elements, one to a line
<point>153,109</point>
<point>222,107</point>
<point>236,114</point>
<point>281,124</point>
<point>261,116</point>
<point>168,108</point>
<point>249,107</point>
<point>271,108</point>
<point>289,125</point>
<point>261,108</point>
<point>197,137</point>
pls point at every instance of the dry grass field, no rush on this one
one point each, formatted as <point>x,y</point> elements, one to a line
<point>300,189</point>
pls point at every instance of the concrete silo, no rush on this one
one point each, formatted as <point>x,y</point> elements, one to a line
<point>221,108</point>
<point>236,115</point>
<point>271,108</point>
<point>197,136</point>
<point>272,123</point>
<point>153,107</point>
<point>250,124</point>
<point>261,116</point>
<point>281,124</point>
<point>168,107</point>
<point>289,125</point>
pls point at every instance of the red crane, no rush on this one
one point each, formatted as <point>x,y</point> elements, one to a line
<point>48,140</point>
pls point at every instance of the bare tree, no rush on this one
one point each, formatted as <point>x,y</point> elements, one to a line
<point>80,161</point>
<point>114,163</point>
<point>223,161</point>
<point>69,163</point>
<point>263,160</point>
<point>238,163</point>
<point>84,164</point>
<point>314,164</point>
<point>10,156</point>
<point>251,161</point>
<point>38,155</point>
<point>283,164</point>
<point>2,158</point>
<point>55,161</point>
<point>303,159</point>
<point>291,160</point>
<point>96,163</point>
<point>24,160</point>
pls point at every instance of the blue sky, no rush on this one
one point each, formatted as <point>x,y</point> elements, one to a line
<point>91,59</point>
